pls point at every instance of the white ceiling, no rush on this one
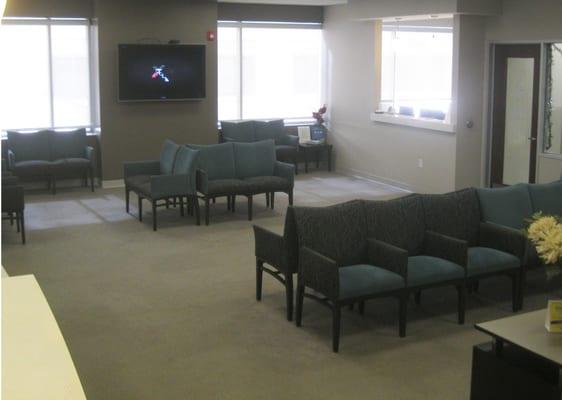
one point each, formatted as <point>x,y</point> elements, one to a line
<point>289,2</point>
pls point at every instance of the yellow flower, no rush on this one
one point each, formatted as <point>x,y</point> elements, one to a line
<point>546,234</point>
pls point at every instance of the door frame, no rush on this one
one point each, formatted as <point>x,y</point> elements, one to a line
<point>495,143</point>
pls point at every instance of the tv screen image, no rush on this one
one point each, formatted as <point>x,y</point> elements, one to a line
<point>161,72</point>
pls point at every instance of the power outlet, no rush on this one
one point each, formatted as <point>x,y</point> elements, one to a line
<point>420,162</point>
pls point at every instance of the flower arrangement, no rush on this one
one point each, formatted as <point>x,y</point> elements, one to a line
<point>545,232</point>
<point>319,115</point>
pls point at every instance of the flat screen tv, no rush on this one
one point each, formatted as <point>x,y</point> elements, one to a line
<point>161,72</point>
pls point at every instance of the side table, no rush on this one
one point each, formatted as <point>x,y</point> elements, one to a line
<point>317,149</point>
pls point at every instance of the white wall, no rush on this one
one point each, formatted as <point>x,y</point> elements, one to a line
<point>386,152</point>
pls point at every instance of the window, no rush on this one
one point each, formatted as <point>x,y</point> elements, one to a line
<point>417,68</point>
<point>45,74</point>
<point>268,71</point>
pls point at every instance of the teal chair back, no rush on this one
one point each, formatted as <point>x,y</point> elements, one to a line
<point>509,206</point>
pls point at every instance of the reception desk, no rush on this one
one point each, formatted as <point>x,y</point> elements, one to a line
<point>36,363</point>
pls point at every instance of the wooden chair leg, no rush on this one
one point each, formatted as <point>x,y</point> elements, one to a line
<point>402,315</point>
<point>11,215</point>
<point>182,211</point>
<point>267,199</point>
<point>417,297</point>
<point>140,208</point>
<point>289,295</point>
<point>461,289</point>
<point>250,210</point>
<point>259,278</point>
<point>336,318</point>
<point>207,206</point>
<point>361,307</point>
<point>195,205</point>
<point>290,198</point>
<point>154,216</point>
<point>22,222</point>
<point>18,221</point>
<point>300,299</point>
<point>515,292</point>
<point>92,179</point>
<point>127,197</point>
<point>272,200</point>
<point>521,294</point>
<point>233,204</point>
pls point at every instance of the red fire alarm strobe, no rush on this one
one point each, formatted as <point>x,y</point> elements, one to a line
<point>211,36</point>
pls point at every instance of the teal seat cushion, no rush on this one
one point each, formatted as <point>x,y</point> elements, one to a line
<point>239,131</point>
<point>423,270</point>
<point>363,280</point>
<point>254,159</point>
<point>30,146</point>
<point>68,144</point>
<point>274,130</point>
<point>167,157</point>
<point>547,197</point>
<point>484,260</point>
<point>217,160</point>
<point>509,206</point>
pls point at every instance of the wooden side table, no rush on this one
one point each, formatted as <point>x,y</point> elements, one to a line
<point>317,149</point>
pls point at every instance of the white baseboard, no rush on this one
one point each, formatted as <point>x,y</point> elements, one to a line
<point>113,184</point>
<point>378,179</point>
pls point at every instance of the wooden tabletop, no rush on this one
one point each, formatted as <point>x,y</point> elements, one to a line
<point>36,363</point>
<point>528,332</point>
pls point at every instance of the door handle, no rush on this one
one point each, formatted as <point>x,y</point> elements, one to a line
<point>532,139</point>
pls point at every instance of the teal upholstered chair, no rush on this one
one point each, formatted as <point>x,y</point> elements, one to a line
<point>257,166</point>
<point>547,197</point>
<point>430,259</point>
<point>508,206</point>
<point>171,177</point>
<point>491,249</point>
<point>286,146</point>
<point>338,261</point>
<point>216,175</point>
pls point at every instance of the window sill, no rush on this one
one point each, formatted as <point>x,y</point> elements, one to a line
<point>414,122</point>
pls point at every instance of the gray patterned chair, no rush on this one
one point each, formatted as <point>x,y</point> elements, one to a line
<point>339,261</point>
<point>491,249</point>
<point>171,177</point>
<point>429,258</point>
<point>280,253</point>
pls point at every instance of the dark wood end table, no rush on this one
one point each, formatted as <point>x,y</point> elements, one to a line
<point>317,149</point>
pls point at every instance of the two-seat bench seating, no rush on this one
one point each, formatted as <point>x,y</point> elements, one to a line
<point>241,169</point>
<point>50,154</point>
<point>359,250</point>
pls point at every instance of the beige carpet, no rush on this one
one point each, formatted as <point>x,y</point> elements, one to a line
<point>172,314</point>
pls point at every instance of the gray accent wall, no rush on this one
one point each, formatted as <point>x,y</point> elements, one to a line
<point>136,131</point>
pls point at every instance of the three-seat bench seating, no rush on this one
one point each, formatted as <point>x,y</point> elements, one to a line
<point>359,250</point>
<point>227,169</point>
